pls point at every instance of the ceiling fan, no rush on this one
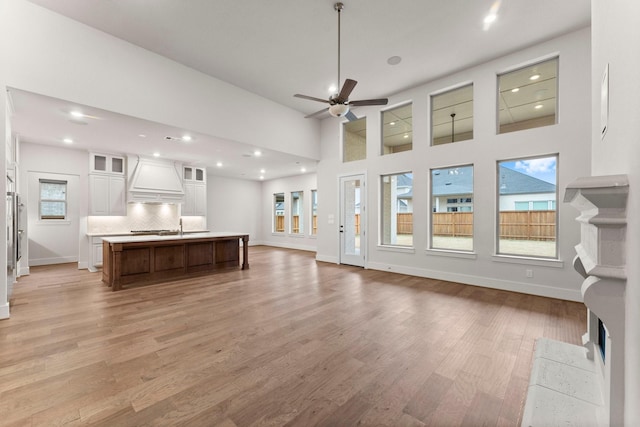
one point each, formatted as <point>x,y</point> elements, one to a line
<point>339,103</point>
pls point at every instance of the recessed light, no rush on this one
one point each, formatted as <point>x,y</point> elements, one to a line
<point>77,114</point>
<point>262,171</point>
<point>142,135</point>
<point>303,169</point>
<point>394,60</point>
<point>261,177</point>
<point>186,138</point>
<point>257,153</point>
<point>156,154</point>
<point>537,107</point>
<point>219,164</point>
<point>515,89</point>
<point>534,77</point>
<point>490,18</point>
<point>392,123</point>
<point>68,141</point>
<point>406,135</point>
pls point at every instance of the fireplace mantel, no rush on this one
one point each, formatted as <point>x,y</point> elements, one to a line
<point>591,390</point>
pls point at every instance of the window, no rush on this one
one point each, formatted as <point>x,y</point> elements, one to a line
<point>297,217</point>
<point>527,207</point>
<point>527,97</point>
<point>53,200</point>
<point>397,209</point>
<point>452,208</point>
<point>397,130</point>
<point>354,140</point>
<point>452,116</point>
<point>278,212</point>
<point>314,212</point>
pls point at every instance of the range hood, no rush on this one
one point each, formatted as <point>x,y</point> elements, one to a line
<point>155,181</point>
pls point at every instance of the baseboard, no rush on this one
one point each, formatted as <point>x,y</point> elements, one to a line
<point>4,310</point>
<point>486,282</point>
<point>290,246</point>
<point>83,265</point>
<point>24,271</point>
<point>56,260</point>
<point>327,258</point>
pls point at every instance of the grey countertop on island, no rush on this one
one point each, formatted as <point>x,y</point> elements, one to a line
<point>184,236</point>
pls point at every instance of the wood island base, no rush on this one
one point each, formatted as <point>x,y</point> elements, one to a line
<point>148,260</point>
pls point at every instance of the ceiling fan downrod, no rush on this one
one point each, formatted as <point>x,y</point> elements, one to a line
<point>338,7</point>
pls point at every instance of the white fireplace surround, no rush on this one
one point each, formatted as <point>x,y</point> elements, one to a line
<point>571,385</point>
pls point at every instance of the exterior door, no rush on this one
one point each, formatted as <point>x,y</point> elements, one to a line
<point>352,220</point>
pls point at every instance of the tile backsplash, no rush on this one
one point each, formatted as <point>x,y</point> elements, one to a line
<point>145,216</point>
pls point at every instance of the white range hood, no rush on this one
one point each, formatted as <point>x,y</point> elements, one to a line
<point>155,181</point>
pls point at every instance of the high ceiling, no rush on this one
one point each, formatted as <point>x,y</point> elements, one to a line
<point>281,47</point>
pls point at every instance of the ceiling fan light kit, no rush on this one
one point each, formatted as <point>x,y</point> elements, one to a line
<point>339,104</point>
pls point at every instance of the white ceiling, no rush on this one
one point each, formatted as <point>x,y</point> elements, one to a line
<point>281,47</point>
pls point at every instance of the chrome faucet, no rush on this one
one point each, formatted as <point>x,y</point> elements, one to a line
<point>181,233</point>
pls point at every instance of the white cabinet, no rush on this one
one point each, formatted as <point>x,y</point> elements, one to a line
<point>95,253</point>
<point>106,163</point>
<point>195,191</point>
<point>107,195</point>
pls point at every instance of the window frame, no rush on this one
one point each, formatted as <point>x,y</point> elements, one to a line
<point>41,200</point>
<point>445,91</point>
<point>381,238</point>
<point>452,207</point>
<point>498,253</point>
<point>274,212</point>
<point>313,231</point>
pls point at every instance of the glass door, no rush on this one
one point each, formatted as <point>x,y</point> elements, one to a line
<point>352,220</point>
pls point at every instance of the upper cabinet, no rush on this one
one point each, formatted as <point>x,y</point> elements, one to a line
<point>107,185</point>
<point>106,163</point>
<point>195,191</point>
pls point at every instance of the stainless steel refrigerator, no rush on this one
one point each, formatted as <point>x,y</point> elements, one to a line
<point>13,238</point>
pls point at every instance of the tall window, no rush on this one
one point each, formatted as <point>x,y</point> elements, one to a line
<point>527,97</point>
<point>452,208</point>
<point>354,140</point>
<point>314,212</point>
<point>278,212</point>
<point>397,129</point>
<point>527,207</point>
<point>297,217</point>
<point>452,116</point>
<point>397,209</point>
<point>53,199</point>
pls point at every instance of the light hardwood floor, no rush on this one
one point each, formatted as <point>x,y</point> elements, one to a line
<point>288,342</point>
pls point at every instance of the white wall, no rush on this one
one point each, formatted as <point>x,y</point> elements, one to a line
<point>616,41</point>
<point>568,138</point>
<point>53,55</point>
<point>233,205</point>
<point>304,183</point>
<point>5,133</point>
<point>35,161</point>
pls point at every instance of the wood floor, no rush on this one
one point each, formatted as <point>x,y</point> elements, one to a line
<point>288,342</point>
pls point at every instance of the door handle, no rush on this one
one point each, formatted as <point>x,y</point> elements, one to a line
<point>342,228</point>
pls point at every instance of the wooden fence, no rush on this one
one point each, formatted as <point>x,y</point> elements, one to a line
<point>453,224</point>
<point>528,225</point>
<point>279,224</point>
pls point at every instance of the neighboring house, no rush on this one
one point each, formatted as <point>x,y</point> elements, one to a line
<point>404,191</point>
<point>522,192</point>
<point>452,189</point>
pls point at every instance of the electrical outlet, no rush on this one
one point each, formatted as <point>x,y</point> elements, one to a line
<point>528,273</point>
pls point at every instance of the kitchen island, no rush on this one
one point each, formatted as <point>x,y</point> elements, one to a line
<point>149,259</point>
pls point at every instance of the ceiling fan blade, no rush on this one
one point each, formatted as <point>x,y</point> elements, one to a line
<point>311,98</point>
<point>317,113</point>
<point>363,102</point>
<point>346,90</point>
<point>352,117</point>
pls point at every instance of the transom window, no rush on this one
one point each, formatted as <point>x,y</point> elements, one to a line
<point>452,116</point>
<point>397,129</point>
<point>527,97</point>
<point>354,140</point>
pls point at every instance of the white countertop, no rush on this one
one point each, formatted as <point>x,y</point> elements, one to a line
<point>185,236</point>
<point>128,233</point>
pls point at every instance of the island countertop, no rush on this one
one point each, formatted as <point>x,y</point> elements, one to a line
<point>185,236</point>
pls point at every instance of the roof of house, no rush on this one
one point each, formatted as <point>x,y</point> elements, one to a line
<point>452,181</point>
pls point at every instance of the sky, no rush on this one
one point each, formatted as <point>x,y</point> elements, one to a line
<point>543,168</point>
